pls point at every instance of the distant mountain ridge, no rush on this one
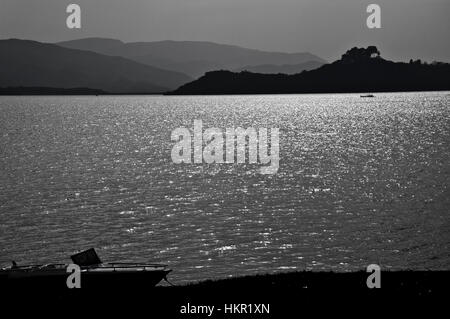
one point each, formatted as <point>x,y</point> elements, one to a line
<point>49,91</point>
<point>25,63</point>
<point>283,69</point>
<point>359,70</point>
<point>189,57</point>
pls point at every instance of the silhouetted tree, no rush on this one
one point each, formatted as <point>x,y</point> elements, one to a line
<point>373,52</point>
<point>361,54</point>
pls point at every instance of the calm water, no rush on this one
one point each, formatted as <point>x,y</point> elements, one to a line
<point>360,181</point>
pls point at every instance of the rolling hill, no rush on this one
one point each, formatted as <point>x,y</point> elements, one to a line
<point>359,70</point>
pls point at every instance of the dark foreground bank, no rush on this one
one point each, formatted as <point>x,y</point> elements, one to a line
<point>285,294</point>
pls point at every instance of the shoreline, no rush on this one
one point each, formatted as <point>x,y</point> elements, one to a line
<point>413,281</point>
<point>78,92</point>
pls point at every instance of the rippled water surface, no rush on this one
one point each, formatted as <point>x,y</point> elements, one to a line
<point>360,181</point>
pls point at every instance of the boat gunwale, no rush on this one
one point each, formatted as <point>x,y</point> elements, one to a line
<point>103,266</point>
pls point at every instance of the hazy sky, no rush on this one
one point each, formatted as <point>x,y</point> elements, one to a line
<point>410,28</point>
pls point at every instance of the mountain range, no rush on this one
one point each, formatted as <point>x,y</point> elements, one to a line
<point>25,63</point>
<point>359,70</point>
<point>99,66</point>
<point>189,57</point>
<point>112,66</point>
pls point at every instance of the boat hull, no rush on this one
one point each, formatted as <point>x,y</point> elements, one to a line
<point>89,280</point>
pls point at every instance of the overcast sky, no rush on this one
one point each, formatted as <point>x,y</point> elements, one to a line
<point>410,28</point>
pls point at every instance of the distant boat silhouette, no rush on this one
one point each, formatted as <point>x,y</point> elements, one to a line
<point>368,95</point>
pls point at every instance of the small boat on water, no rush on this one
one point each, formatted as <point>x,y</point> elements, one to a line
<point>368,95</point>
<point>94,274</point>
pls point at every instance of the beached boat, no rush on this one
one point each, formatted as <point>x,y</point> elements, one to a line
<point>94,274</point>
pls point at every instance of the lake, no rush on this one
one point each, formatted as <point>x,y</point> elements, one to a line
<point>360,181</point>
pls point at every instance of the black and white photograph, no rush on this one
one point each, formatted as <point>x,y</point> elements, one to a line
<point>224,158</point>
